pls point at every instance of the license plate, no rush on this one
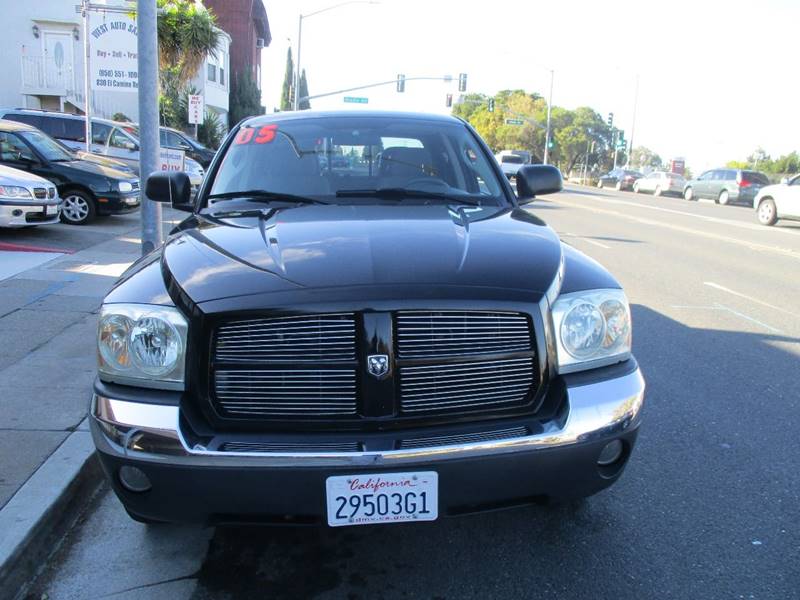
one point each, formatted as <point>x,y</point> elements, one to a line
<point>382,498</point>
<point>50,210</point>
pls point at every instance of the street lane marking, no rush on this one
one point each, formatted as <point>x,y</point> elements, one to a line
<point>718,306</point>
<point>721,288</point>
<point>718,220</point>
<point>714,236</point>
<point>751,319</point>
<point>579,237</point>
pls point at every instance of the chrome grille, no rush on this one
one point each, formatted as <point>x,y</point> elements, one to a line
<point>40,193</point>
<point>465,438</point>
<point>425,334</point>
<point>308,338</point>
<point>290,447</point>
<point>51,192</point>
<point>135,185</point>
<point>294,392</point>
<point>466,386</point>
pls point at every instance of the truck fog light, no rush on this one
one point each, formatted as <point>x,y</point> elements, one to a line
<point>610,454</point>
<point>134,479</point>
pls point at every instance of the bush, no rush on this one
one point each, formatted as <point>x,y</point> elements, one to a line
<point>245,98</point>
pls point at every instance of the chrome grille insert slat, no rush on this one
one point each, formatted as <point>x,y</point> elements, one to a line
<point>466,386</point>
<point>276,446</point>
<point>465,438</point>
<point>461,333</point>
<point>317,338</point>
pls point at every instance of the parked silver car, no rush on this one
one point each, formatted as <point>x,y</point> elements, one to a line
<point>26,199</point>
<point>660,182</point>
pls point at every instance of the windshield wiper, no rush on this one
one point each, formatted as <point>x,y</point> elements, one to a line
<point>266,196</point>
<point>399,193</point>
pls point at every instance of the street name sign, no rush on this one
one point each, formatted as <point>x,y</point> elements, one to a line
<point>356,99</point>
<point>515,122</point>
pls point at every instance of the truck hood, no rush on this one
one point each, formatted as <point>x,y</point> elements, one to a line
<point>312,246</point>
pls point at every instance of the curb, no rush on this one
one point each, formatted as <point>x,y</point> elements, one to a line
<point>35,519</point>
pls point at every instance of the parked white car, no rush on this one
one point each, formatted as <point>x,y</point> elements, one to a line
<point>781,201</point>
<point>660,182</point>
<point>27,199</point>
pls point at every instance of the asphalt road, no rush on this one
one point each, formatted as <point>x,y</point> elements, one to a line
<point>709,506</point>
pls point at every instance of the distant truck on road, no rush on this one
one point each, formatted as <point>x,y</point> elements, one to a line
<point>510,161</point>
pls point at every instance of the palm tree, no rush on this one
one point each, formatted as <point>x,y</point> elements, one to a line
<point>186,35</point>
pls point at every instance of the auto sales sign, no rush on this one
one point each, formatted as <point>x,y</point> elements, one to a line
<point>113,58</point>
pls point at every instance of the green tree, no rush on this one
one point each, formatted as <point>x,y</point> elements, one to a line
<point>288,83</point>
<point>303,91</point>
<point>643,157</point>
<point>245,99</point>
<point>187,33</point>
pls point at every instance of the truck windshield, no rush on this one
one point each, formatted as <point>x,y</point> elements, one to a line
<point>325,158</point>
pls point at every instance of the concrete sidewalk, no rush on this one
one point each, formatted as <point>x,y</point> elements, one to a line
<point>48,320</point>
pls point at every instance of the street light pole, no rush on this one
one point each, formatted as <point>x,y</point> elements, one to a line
<point>86,74</point>
<point>296,102</point>
<point>633,124</point>
<point>147,46</point>
<point>549,108</point>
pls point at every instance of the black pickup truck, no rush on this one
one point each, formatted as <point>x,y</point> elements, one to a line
<point>392,339</point>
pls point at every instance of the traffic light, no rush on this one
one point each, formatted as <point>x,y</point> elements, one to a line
<point>401,83</point>
<point>462,82</point>
<point>491,105</point>
<point>449,100</point>
<point>610,120</point>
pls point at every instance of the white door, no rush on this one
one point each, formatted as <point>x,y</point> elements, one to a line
<point>58,60</point>
<point>788,199</point>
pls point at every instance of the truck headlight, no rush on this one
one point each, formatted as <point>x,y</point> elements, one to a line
<point>592,328</point>
<point>144,345</point>
<point>125,186</point>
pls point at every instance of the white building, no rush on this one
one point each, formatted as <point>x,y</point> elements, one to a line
<point>43,50</point>
<point>213,79</point>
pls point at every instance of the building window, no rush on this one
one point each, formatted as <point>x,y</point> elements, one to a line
<point>221,76</point>
<point>212,72</point>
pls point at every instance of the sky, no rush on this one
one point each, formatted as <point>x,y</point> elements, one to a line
<point>716,78</point>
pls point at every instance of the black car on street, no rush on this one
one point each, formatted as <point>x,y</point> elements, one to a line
<point>393,340</point>
<point>620,179</point>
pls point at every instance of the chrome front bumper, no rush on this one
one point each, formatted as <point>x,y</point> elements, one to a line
<point>152,433</point>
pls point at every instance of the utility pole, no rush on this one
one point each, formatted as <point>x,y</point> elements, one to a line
<point>549,107</point>
<point>86,86</point>
<point>633,124</point>
<point>296,103</point>
<point>147,46</point>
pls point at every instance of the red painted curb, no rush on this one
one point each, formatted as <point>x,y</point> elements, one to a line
<point>4,246</point>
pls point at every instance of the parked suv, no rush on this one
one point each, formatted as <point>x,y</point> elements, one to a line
<point>389,341</point>
<point>87,189</point>
<point>726,185</point>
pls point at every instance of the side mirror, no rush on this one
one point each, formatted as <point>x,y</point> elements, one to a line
<point>535,180</point>
<point>173,187</point>
<point>785,180</point>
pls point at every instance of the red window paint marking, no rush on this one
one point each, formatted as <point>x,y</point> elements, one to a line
<point>6,247</point>
<point>244,136</point>
<point>266,134</point>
